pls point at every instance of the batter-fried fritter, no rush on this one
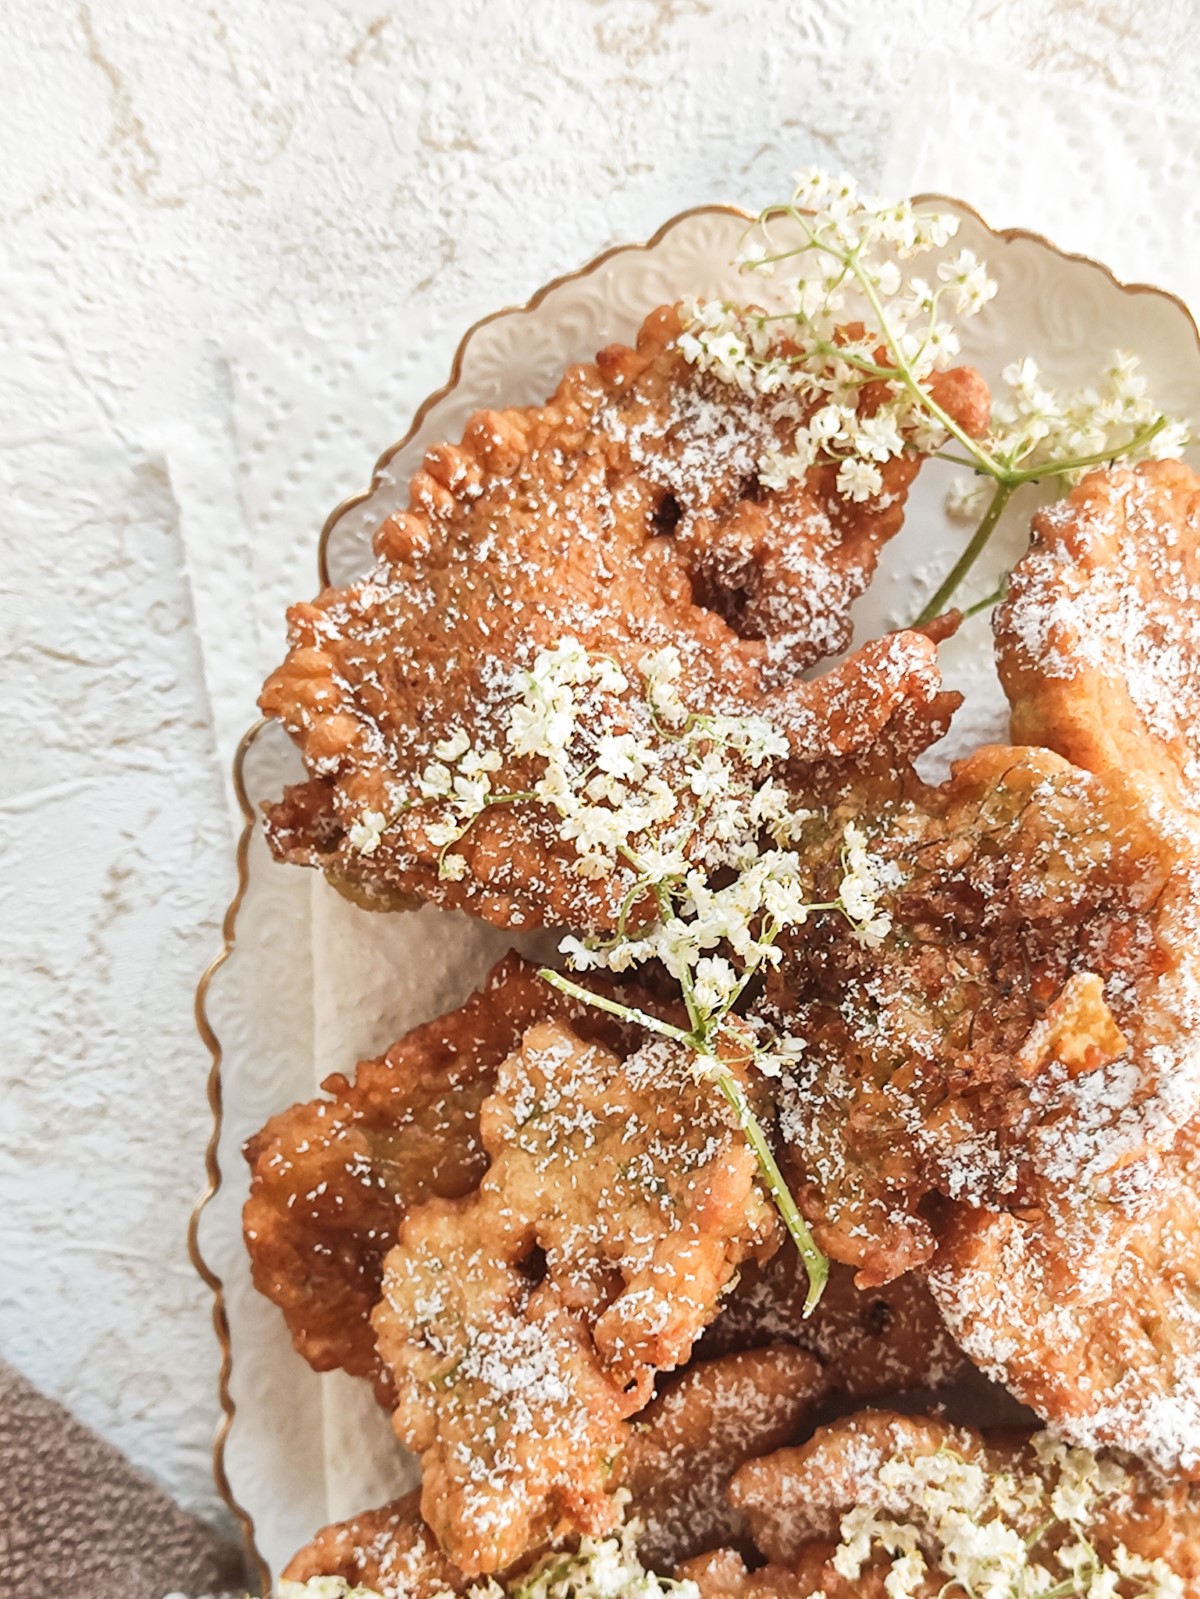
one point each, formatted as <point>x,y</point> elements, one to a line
<point>871,1342</point>
<point>524,1324</point>
<point>390,1551</point>
<point>1099,640</point>
<point>678,1459</point>
<point>797,1499</point>
<point>704,1424</point>
<point>333,1178</point>
<point>1088,1309</point>
<point>1030,1015</point>
<point>627,514</point>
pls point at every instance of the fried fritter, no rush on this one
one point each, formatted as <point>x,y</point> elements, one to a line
<point>1031,1014</point>
<point>1098,643</point>
<point>525,1323</point>
<point>333,1178</point>
<point>1088,1309</point>
<point>678,1459</point>
<point>390,1551</point>
<point>796,1500</point>
<point>688,1442</point>
<point>871,1342</point>
<point>723,1574</point>
<point>627,514</point>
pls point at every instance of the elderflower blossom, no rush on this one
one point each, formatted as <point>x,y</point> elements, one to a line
<point>849,313</point>
<point>668,811</point>
<point>601,1568</point>
<point>1035,1530</point>
<point>863,881</point>
<point>365,833</point>
<point>840,259</point>
<point>1035,428</point>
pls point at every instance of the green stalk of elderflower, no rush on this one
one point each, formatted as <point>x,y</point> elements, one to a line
<point>845,264</point>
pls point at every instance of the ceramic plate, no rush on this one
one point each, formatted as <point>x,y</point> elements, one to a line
<point>307,984</point>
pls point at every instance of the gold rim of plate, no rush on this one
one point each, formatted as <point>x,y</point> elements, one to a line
<point>229,925</point>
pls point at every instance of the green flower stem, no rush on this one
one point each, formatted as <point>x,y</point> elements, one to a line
<point>999,593</point>
<point>816,1264</point>
<point>937,604</point>
<point>922,396</point>
<point>1033,474</point>
<point>628,1013</point>
<point>1008,480</point>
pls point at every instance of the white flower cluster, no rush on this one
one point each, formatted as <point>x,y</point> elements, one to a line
<point>686,799</point>
<point>601,1568</point>
<point>606,1568</point>
<point>855,314</point>
<point>684,813</point>
<point>849,269</point>
<point>1019,1534</point>
<point>1034,427</point>
<point>322,1588</point>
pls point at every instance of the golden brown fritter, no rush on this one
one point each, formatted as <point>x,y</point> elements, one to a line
<point>702,1425</point>
<point>1030,1015</point>
<point>1098,643</point>
<point>871,1342</point>
<point>1088,1309</point>
<point>390,1551</point>
<point>525,1323</point>
<point>332,1179</point>
<point>796,1499</point>
<point>627,514</point>
<point>679,1456</point>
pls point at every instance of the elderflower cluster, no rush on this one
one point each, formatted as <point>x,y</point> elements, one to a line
<point>671,809</point>
<point>601,1568</point>
<point>849,268</point>
<point>1034,427</point>
<point>1026,1533</point>
<point>850,312</point>
<point>684,800</point>
<point>680,815</point>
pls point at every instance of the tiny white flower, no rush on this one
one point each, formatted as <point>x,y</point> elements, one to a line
<point>452,746</point>
<point>858,480</point>
<point>364,834</point>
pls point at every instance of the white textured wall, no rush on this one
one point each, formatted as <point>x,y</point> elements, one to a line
<point>173,178</point>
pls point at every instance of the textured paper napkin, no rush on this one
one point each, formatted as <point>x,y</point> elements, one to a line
<point>310,410</point>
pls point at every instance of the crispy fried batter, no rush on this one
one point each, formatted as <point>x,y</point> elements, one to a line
<point>333,1178</point>
<point>524,1324</point>
<point>1088,1309</point>
<point>796,1498</point>
<point>390,1551</point>
<point>704,1424</point>
<point>625,513</point>
<point>1099,640</point>
<point>1031,1013</point>
<point>871,1342</point>
<point>677,1462</point>
<point>723,1574</point>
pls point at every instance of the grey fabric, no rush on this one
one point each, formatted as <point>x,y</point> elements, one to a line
<point>77,1521</point>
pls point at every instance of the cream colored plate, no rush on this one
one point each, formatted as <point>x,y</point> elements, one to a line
<point>312,984</point>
